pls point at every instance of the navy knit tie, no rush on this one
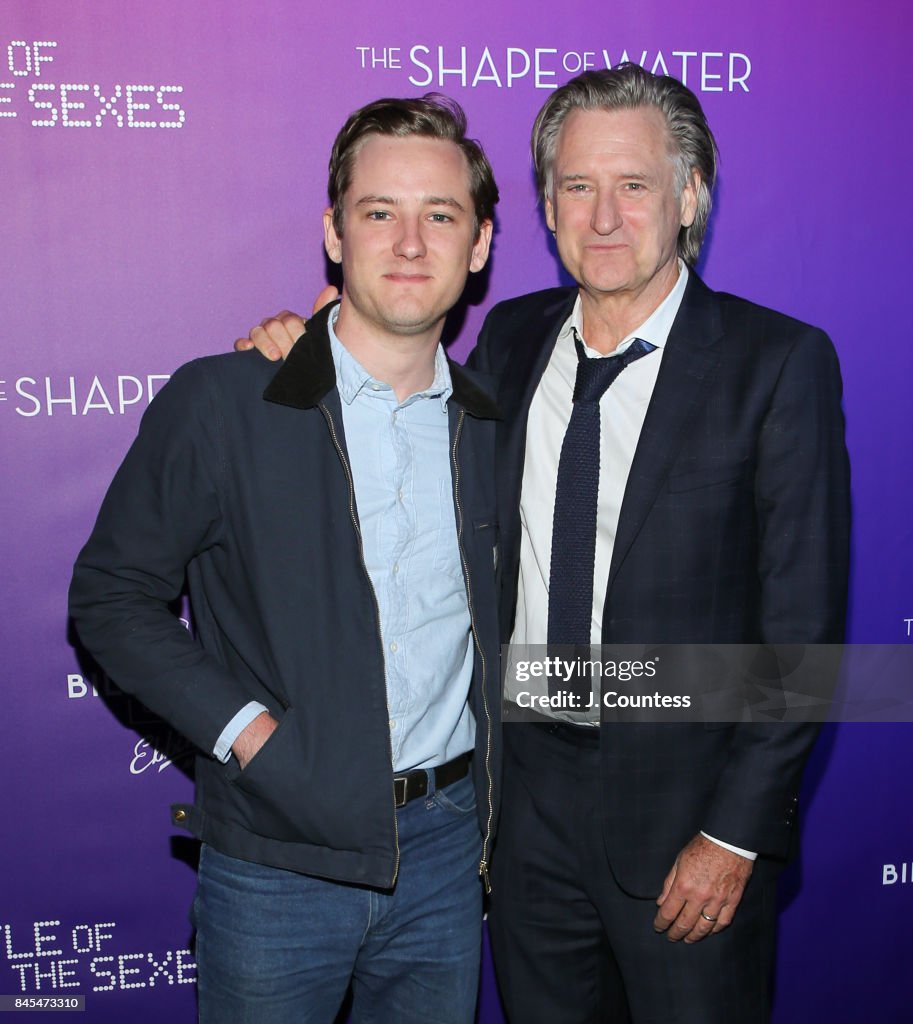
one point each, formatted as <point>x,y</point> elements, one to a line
<point>570,597</point>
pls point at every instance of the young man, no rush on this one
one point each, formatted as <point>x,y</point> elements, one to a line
<point>335,521</point>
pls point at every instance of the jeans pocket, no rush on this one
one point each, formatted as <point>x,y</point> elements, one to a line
<point>458,798</point>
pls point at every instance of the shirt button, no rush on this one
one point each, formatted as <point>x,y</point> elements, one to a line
<point>375,387</point>
<point>396,568</point>
<point>399,495</point>
<point>394,647</point>
<point>392,723</point>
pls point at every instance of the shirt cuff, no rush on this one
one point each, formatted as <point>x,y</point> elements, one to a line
<point>747,854</point>
<point>222,750</point>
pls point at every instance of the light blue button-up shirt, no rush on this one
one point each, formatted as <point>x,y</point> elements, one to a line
<point>400,458</point>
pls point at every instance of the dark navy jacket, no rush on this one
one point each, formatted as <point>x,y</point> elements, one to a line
<point>734,529</point>
<point>240,476</point>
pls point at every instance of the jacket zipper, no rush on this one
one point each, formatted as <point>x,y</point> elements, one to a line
<point>486,839</point>
<point>328,416</point>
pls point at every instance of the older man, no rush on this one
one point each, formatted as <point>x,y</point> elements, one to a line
<point>672,470</point>
<point>334,522</point>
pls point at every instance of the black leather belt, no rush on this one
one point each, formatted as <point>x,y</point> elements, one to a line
<point>412,785</point>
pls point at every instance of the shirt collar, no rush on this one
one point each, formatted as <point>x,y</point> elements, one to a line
<point>655,329</point>
<point>352,378</point>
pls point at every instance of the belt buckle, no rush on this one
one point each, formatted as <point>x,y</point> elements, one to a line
<point>400,787</point>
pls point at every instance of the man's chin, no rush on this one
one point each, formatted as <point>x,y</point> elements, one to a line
<point>409,321</point>
<point>608,273</point>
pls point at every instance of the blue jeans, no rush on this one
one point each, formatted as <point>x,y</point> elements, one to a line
<point>276,947</point>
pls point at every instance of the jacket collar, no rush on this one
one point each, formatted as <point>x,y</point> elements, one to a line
<point>470,396</point>
<point>308,375</point>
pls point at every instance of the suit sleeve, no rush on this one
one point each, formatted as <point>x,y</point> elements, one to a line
<point>802,493</point>
<point>161,512</point>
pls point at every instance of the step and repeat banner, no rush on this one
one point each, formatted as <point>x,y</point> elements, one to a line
<point>162,180</point>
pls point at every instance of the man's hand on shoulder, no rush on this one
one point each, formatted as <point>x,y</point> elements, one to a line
<point>702,891</point>
<point>275,336</point>
<point>252,738</point>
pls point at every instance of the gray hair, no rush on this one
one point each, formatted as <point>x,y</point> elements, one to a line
<point>628,87</point>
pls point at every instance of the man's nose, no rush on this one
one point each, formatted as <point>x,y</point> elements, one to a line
<point>410,242</point>
<point>606,213</point>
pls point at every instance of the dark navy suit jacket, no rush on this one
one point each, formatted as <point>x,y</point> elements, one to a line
<point>733,529</point>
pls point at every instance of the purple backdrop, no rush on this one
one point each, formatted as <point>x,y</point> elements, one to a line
<point>163,176</point>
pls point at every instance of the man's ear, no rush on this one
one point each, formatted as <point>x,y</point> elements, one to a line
<point>550,215</point>
<point>331,241</point>
<point>481,247</point>
<point>688,199</point>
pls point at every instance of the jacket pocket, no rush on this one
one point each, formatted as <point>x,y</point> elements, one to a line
<point>272,783</point>
<point>486,536</point>
<point>705,476</point>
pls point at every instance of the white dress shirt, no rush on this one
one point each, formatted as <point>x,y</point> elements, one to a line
<point>622,410</point>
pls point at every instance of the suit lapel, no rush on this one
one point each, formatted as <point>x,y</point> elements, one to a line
<point>520,377</point>
<point>690,362</point>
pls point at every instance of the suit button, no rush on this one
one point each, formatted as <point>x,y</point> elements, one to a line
<point>180,815</point>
